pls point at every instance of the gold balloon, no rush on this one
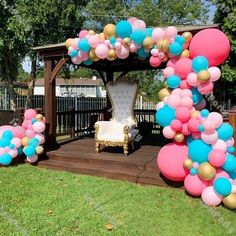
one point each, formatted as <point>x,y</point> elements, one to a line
<point>91,32</point>
<point>230,201</point>
<point>203,76</point>
<point>92,55</point>
<point>68,42</point>
<point>111,55</point>
<point>25,141</point>
<point>179,138</point>
<point>188,164</point>
<point>148,43</point>
<point>39,117</point>
<point>101,36</point>
<point>127,41</point>
<point>194,114</point>
<point>163,45</point>
<point>188,36</point>
<point>185,53</point>
<point>164,93</point>
<point>206,171</point>
<point>109,30</point>
<point>39,150</point>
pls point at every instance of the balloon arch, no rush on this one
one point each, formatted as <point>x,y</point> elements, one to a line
<point>201,153</point>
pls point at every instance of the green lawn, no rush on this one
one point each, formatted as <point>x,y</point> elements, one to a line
<point>40,202</point>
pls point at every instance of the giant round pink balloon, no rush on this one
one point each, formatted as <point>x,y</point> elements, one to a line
<point>170,161</point>
<point>212,44</point>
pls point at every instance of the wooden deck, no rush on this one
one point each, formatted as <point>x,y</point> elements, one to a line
<point>79,156</point>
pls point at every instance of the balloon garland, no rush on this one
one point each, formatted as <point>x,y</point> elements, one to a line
<point>202,152</point>
<point>27,139</point>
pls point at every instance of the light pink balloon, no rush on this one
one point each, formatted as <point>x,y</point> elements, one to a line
<point>158,34</point>
<point>38,127</point>
<point>186,93</point>
<point>192,79</point>
<point>171,62</point>
<point>168,132</point>
<point>196,165</point>
<point>133,47</point>
<point>83,55</point>
<point>30,114</point>
<point>184,85</point>
<point>30,133</point>
<point>208,125</point>
<point>206,88</point>
<point>220,173</point>
<point>74,43</point>
<point>138,25</point>
<point>76,60</point>
<point>233,189</point>
<point>16,141</point>
<point>186,102</point>
<point>93,40</point>
<point>40,137</point>
<point>83,33</point>
<point>19,132</point>
<point>123,52</point>
<point>13,153</point>
<point>2,151</point>
<point>176,91</point>
<point>155,52</point>
<point>230,142</point>
<point>209,138</point>
<point>132,19</point>
<point>217,158</point>
<point>161,55</point>
<point>210,197</point>
<point>118,45</point>
<point>216,118</point>
<point>220,145</point>
<point>159,105</point>
<point>168,71</point>
<point>101,51</point>
<point>32,159</point>
<point>171,32</point>
<point>173,101</point>
<point>215,73</point>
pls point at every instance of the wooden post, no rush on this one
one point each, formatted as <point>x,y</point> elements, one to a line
<point>232,120</point>
<point>109,77</point>
<point>50,104</point>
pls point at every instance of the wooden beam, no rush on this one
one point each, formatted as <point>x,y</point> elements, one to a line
<point>57,68</point>
<point>232,120</point>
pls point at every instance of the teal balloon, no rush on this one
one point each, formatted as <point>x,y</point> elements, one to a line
<point>232,175</point>
<point>222,186</point>
<point>201,128</point>
<point>198,151</point>
<point>11,146</point>
<point>5,159</point>
<point>165,115</point>
<point>173,81</point>
<point>34,142</point>
<point>196,96</point>
<point>193,171</point>
<point>189,140</point>
<point>112,40</point>
<point>199,63</point>
<point>73,53</point>
<point>175,48</point>
<point>205,113</point>
<point>20,151</point>
<point>138,36</point>
<point>4,142</point>
<point>225,131</point>
<point>83,45</point>
<point>88,62</point>
<point>148,32</point>
<point>230,163</point>
<point>29,151</point>
<point>123,29</point>
<point>142,53</point>
<point>7,134</point>
<point>180,39</point>
<point>230,149</point>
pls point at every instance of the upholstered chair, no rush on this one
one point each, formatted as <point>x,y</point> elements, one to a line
<point>120,130</point>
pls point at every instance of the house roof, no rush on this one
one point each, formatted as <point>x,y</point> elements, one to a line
<point>15,83</point>
<point>62,81</point>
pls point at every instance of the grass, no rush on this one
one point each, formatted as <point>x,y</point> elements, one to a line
<point>35,201</point>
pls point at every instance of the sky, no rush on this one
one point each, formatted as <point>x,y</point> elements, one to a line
<point>26,62</point>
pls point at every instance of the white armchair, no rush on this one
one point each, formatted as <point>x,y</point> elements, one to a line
<point>120,130</point>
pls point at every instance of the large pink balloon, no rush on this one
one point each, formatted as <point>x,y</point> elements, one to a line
<point>19,132</point>
<point>101,51</point>
<point>210,197</point>
<point>170,161</point>
<point>194,185</point>
<point>183,67</point>
<point>30,114</point>
<point>212,44</point>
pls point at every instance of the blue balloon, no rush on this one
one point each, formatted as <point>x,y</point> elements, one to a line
<point>204,113</point>
<point>83,45</point>
<point>165,115</point>
<point>4,142</point>
<point>5,159</point>
<point>175,48</point>
<point>142,53</point>
<point>148,32</point>
<point>73,53</point>
<point>11,146</point>
<point>222,186</point>
<point>7,134</point>
<point>34,120</point>
<point>88,62</point>
<point>173,81</point>
<point>112,40</point>
<point>29,151</point>
<point>197,97</point>
<point>200,63</point>
<point>193,171</point>
<point>123,29</point>
<point>198,151</point>
<point>225,131</point>
<point>138,36</point>
<point>34,142</point>
<point>230,163</point>
<point>230,149</point>
<point>232,175</point>
<point>180,39</point>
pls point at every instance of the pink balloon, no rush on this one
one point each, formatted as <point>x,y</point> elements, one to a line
<point>18,132</point>
<point>194,185</point>
<point>32,159</point>
<point>158,34</point>
<point>38,127</point>
<point>132,19</point>
<point>233,189</point>
<point>29,133</point>
<point>206,88</point>
<point>13,153</point>
<point>171,32</point>
<point>84,55</point>
<point>2,151</point>
<point>209,138</point>
<point>196,135</point>
<point>215,73</point>
<point>210,197</point>
<point>192,79</point>
<point>74,43</point>
<point>160,105</point>
<point>154,61</point>
<point>30,114</point>
<point>168,132</point>
<point>118,45</point>
<point>176,125</point>
<point>217,158</point>
<point>168,71</point>
<point>76,60</point>
<point>184,85</point>
<point>83,33</point>
<point>133,47</point>
<point>173,100</point>
<point>155,52</point>
<point>138,25</point>
<point>186,93</point>
<point>230,142</point>
<point>208,125</point>
<point>16,141</point>
<point>171,62</point>
<point>220,173</point>
<point>123,52</point>
<point>40,137</point>
<point>216,118</point>
<point>183,67</point>
<point>101,51</point>
<point>185,129</point>
<point>193,124</point>
<point>176,91</point>
<point>220,145</point>
<point>183,114</point>
<point>186,102</point>
<point>170,161</point>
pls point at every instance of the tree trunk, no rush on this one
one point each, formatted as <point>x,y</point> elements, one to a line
<point>10,85</point>
<point>33,79</point>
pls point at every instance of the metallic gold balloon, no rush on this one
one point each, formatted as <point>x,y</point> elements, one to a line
<point>188,164</point>
<point>188,36</point>
<point>148,43</point>
<point>127,41</point>
<point>68,42</point>
<point>39,150</point>
<point>203,76</point>
<point>39,117</point>
<point>25,141</point>
<point>185,53</point>
<point>194,114</point>
<point>111,55</point>
<point>230,201</point>
<point>92,55</point>
<point>206,171</point>
<point>91,32</point>
<point>179,138</point>
<point>109,31</point>
<point>164,93</point>
<point>163,45</point>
